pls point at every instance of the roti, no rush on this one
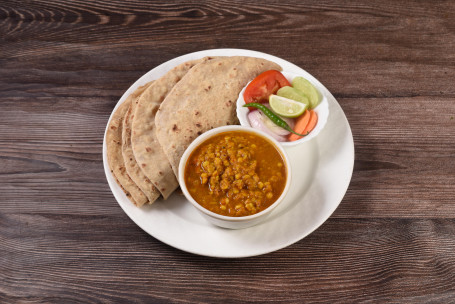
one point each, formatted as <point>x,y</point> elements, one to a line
<point>146,148</point>
<point>132,168</point>
<point>203,99</point>
<point>115,158</point>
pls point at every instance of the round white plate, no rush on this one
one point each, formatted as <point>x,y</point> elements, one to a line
<point>321,172</point>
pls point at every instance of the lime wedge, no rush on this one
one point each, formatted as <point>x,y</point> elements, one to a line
<point>286,107</point>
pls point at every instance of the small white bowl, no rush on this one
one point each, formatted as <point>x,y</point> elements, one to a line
<point>228,221</point>
<point>322,110</point>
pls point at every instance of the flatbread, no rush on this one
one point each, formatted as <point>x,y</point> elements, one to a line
<point>115,158</point>
<point>146,148</point>
<point>203,99</point>
<point>132,168</point>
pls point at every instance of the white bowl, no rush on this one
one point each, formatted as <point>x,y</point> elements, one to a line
<point>322,110</point>
<point>228,221</point>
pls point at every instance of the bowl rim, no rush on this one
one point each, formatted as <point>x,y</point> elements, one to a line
<point>208,134</point>
<point>321,108</point>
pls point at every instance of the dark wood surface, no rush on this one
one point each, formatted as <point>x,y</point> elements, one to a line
<point>64,65</point>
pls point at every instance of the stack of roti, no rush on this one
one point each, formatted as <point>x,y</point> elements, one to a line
<point>151,129</point>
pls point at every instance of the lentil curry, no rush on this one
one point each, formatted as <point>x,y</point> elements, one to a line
<point>235,173</point>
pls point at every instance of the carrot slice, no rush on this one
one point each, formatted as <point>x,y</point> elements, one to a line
<point>304,124</point>
<point>300,124</point>
<point>312,123</point>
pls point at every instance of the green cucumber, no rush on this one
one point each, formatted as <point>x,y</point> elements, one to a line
<point>305,87</point>
<point>294,94</point>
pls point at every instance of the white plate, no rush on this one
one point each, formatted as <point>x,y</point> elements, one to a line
<point>321,172</point>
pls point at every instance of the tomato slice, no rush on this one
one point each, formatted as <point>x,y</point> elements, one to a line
<point>264,85</point>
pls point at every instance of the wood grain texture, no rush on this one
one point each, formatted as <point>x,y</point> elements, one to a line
<point>64,65</point>
<point>369,263</point>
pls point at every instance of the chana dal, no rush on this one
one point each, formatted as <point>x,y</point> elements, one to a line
<point>235,173</point>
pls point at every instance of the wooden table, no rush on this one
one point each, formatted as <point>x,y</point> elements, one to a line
<point>63,67</point>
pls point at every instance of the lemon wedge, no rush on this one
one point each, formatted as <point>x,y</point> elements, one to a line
<point>286,107</point>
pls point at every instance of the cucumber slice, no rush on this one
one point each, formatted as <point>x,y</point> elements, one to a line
<point>308,89</point>
<point>294,94</point>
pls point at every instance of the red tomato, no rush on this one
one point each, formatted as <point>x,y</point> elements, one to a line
<point>264,85</point>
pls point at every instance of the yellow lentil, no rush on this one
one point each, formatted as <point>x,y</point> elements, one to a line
<point>233,179</point>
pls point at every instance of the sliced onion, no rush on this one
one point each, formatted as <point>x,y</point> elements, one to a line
<point>256,121</point>
<point>273,127</point>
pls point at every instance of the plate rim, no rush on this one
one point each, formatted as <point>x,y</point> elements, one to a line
<point>220,52</point>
